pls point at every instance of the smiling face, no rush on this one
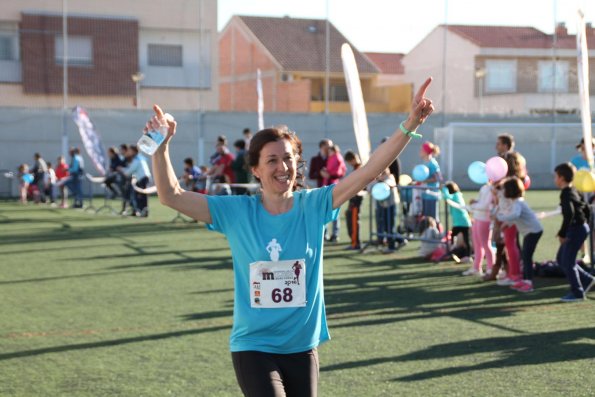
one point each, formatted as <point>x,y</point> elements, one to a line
<point>276,168</point>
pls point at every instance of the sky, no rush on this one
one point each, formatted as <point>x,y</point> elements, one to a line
<point>398,25</point>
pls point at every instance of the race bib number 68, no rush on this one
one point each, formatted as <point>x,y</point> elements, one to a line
<point>278,284</point>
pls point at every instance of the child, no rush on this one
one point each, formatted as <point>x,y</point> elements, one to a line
<point>430,237</point>
<point>25,179</point>
<point>386,211</point>
<point>191,174</point>
<point>506,238</point>
<point>527,224</point>
<point>481,234</point>
<point>335,166</point>
<point>572,233</point>
<point>353,210</point>
<point>428,154</point>
<point>61,177</point>
<point>49,183</point>
<point>461,222</point>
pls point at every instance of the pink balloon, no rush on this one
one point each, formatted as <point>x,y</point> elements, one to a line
<point>496,168</point>
<point>527,182</point>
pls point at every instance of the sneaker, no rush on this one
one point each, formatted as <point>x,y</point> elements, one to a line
<point>588,287</point>
<point>505,282</point>
<point>526,287</point>
<point>352,248</point>
<point>570,297</point>
<point>466,259</point>
<point>501,275</point>
<point>472,272</point>
<point>517,284</point>
<point>458,260</point>
<point>523,286</point>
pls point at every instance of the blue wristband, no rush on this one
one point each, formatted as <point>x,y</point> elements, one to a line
<point>410,134</point>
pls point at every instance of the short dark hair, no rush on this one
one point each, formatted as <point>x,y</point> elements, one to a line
<point>189,161</point>
<point>507,139</point>
<point>325,141</point>
<point>278,133</point>
<point>351,156</point>
<point>222,139</point>
<point>246,131</point>
<point>566,171</point>
<point>240,144</point>
<point>452,187</point>
<point>513,187</point>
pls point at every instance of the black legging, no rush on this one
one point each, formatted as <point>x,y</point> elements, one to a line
<point>465,230</point>
<point>267,374</point>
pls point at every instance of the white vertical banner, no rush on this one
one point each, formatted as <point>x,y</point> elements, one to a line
<point>260,100</point>
<point>356,100</point>
<point>91,139</point>
<point>583,84</point>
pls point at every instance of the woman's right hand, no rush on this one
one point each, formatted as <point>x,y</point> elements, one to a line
<point>161,119</point>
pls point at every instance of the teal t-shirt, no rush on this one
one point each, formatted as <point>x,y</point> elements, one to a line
<point>434,168</point>
<point>255,235</point>
<point>460,217</point>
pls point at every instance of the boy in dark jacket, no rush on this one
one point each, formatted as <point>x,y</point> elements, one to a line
<point>572,234</point>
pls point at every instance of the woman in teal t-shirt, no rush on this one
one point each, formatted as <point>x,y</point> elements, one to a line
<point>276,240</point>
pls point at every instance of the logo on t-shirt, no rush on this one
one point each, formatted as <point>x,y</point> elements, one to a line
<point>274,248</point>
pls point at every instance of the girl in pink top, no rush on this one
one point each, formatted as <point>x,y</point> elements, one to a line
<point>481,232</point>
<point>335,166</point>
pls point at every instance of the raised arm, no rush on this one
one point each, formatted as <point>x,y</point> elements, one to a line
<point>387,152</point>
<point>169,190</point>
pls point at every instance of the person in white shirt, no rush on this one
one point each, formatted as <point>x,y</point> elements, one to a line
<point>139,169</point>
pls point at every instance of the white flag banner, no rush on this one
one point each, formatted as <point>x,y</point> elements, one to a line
<point>356,100</point>
<point>91,138</point>
<point>583,84</point>
<point>260,100</point>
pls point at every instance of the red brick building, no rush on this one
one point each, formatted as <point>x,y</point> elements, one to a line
<point>291,55</point>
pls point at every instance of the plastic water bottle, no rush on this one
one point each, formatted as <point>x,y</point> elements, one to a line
<point>150,142</point>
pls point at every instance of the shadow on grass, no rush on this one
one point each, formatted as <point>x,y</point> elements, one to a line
<point>533,349</point>
<point>109,343</point>
<point>207,315</point>
<point>94,232</point>
<point>404,290</point>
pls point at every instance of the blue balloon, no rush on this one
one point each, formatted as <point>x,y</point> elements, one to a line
<point>28,178</point>
<point>477,172</point>
<point>420,172</point>
<point>380,191</point>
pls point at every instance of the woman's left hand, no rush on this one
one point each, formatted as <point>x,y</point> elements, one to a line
<point>421,108</point>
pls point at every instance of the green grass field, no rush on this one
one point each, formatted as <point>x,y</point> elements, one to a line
<point>97,305</point>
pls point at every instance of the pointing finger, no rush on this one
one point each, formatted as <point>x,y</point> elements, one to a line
<point>422,90</point>
<point>158,111</point>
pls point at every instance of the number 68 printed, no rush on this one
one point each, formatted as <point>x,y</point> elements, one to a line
<point>286,296</point>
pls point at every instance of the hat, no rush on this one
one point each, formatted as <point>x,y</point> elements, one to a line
<point>428,148</point>
<point>582,142</point>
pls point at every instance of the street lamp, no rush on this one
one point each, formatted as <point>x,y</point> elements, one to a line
<point>480,74</point>
<point>137,78</point>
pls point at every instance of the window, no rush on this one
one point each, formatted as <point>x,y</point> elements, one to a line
<point>7,48</point>
<point>339,93</point>
<point>553,76</point>
<point>80,50</point>
<point>500,76</point>
<point>165,55</point>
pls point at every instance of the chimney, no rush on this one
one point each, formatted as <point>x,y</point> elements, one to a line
<point>561,29</point>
